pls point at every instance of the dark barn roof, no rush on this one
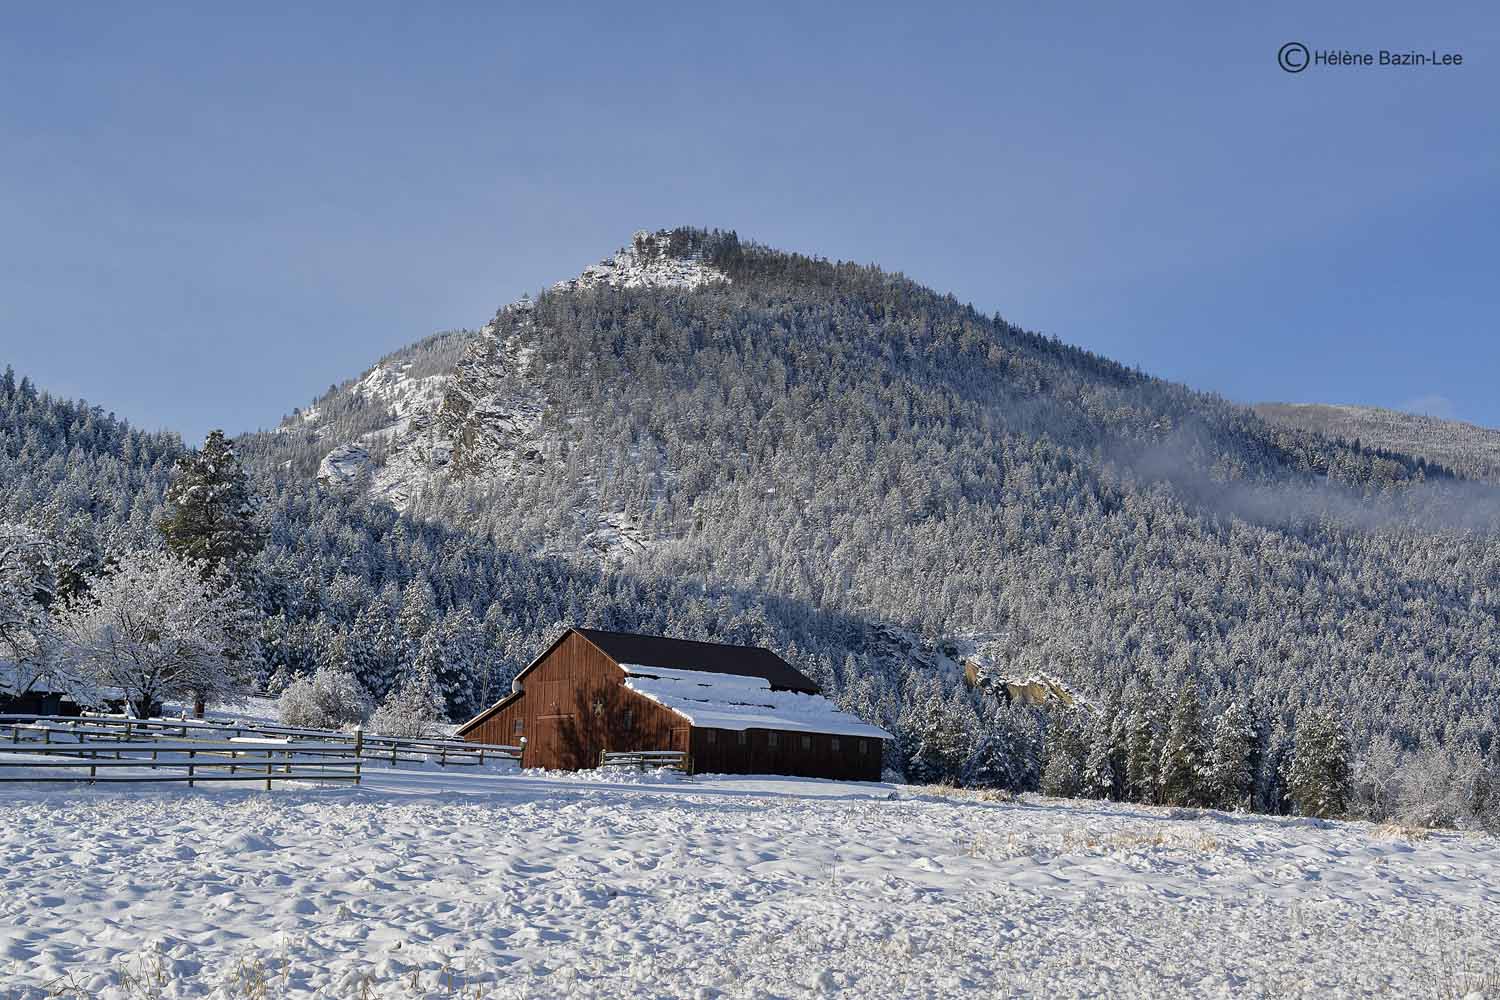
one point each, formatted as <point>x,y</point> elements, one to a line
<point>712,657</point>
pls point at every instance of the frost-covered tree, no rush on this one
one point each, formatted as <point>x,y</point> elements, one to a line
<point>1065,751</point>
<point>1142,767</point>
<point>1448,786</point>
<point>937,735</point>
<point>210,514</point>
<point>414,709</point>
<point>1377,779</point>
<point>1229,779</point>
<point>25,587</point>
<point>158,627</point>
<point>330,699</point>
<point>1318,773</point>
<point>1098,777</point>
<point>1183,755</point>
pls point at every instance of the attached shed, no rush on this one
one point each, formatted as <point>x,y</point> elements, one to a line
<point>732,709</point>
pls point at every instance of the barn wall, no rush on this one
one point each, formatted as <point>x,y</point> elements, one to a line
<point>720,751</point>
<point>574,704</point>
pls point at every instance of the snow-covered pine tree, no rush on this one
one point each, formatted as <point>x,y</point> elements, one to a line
<point>1183,756</point>
<point>211,511</point>
<point>1098,779</point>
<point>1065,749</point>
<point>1229,779</point>
<point>936,734</point>
<point>1142,767</point>
<point>211,521</point>
<point>1317,776</point>
<point>1270,777</point>
<point>418,611</point>
<point>374,650</point>
<point>460,636</point>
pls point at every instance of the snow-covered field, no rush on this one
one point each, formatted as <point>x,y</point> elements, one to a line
<point>531,885</point>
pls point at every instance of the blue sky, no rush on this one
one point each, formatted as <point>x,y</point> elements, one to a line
<point>210,217</point>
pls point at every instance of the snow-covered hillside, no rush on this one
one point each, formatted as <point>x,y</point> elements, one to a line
<point>574,886</point>
<point>482,419</point>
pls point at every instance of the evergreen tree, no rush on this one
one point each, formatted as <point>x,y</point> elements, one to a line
<point>1182,759</point>
<point>211,510</point>
<point>1229,778</point>
<point>1065,751</point>
<point>1318,774</point>
<point>937,735</point>
<point>1270,778</point>
<point>1098,779</point>
<point>1142,761</point>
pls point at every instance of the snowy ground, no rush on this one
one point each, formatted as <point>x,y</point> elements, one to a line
<point>536,885</point>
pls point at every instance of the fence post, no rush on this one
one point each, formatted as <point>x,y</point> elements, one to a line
<point>359,741</point>
<point>191,755</point>
<point>268,770</point>
<point>356,769</point>
<point>443,757</point>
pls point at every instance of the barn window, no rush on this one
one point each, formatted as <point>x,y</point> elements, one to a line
<point>519,727</point>
<point>771,740</point>
<point>807,742</point>
<point>834,744</point>
<point>711,735</point>
<point>744,737</point>
<point>864,746</point>
<point>628,716</point>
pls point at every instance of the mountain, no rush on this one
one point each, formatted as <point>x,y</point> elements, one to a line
<point>1467,450</point>
<point>705,437</point>
<point>697,407</point>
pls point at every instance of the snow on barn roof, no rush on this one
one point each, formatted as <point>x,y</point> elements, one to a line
<point>735,702</point>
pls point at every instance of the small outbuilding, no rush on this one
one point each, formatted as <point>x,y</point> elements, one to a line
<point>731,709</point>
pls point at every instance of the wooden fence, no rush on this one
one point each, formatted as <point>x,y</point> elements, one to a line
<point>677,760</point>
<point>197,750</point>
<point>189,761</point>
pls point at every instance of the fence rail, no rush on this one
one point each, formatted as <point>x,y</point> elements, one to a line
<point>677,760</point>
<point>190,761</point>
<point>282,753</point>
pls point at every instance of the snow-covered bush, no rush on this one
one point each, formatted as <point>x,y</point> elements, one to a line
<point>329,699</point>
<point>414,709</point>
<point>1441,786</point>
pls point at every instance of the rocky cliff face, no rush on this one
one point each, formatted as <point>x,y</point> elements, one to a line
<point>483,419</point>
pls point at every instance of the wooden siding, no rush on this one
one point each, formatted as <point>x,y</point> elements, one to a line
<point>574,705</point>
<point>812,755</point>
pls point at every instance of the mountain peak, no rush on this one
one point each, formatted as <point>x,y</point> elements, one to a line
<point>664,258</point>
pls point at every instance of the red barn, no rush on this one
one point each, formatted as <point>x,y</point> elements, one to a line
<point>732,709</point>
